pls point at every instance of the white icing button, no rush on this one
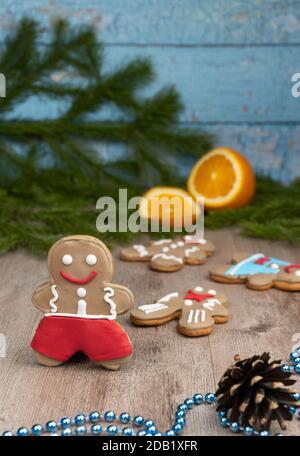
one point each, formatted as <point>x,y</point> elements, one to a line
<point>180,244</point>
<point>165,249</point>
<point>274,266</point>
<point>91,260</point>
<point>202,241</point>
<point>188,302</point>
<point>199,289</point>
<point>297,273</point>
<point>212,292</point>
<point>173,246</point>
<point>81,292</point>
<point>67,260</point>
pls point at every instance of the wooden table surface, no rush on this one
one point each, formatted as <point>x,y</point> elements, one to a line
<point>166,367</point>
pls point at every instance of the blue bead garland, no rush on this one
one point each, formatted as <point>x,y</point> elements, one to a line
<point>90,424</point>
<point>294,364</point>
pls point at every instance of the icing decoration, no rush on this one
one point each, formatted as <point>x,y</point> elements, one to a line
<point>91,260</point>
<point>81,292</point>
<point>79,281</point>
<point>211,303</point>
<point>188,302</point>
<point>67,260</point>
<point>191,250</point>
<point>165,249</point>
<point>190,317</point>
<point>193,316</point>
<point>194,240</point>
<point>198,289</point>
<point>212,292</point>
<point>173,246</point>
<point>149,308</point>
<point>290,267</point>
<point>162,241</point>
<point>54,299</point>
<point>169,296</point>
<point>262,260</point>
<point>256,264</point>
<point>109,293</point>
<point>180,244</point>
<point>77,316</point>
<point>81,308</point>
<point>141,250</point>
<point>191,295</point>
<point>234,270</point>
<point>167,257</point>
<point>196,315</point>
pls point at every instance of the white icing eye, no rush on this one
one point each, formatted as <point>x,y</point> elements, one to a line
<point>91,260</point>
<point>67,260</point>
<point>199,289</point>
<point>297,273</point>
<point>165,249</point>
<point>212,292</point>
<point>188,302</point>
<point>274,266</point>
<point>180,244</point>
<point>173,246</point>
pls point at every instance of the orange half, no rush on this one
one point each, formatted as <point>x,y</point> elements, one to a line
<point>169,203</point>
<point>224,178</point>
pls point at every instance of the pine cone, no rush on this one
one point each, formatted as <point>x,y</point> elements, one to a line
<point>255,392</point>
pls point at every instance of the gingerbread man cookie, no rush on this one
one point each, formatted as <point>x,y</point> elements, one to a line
<point>169,255</point>
<point>81,306</point>
<point>259,272</point>
<point>197,310</point>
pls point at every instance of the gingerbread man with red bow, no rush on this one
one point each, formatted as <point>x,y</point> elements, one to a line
<point>81,306</point>
<point>197,311</point>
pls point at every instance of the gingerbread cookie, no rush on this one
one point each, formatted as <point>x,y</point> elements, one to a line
<point>197,311</point>
<point>169,255</point>
<point>259,272</point>
<point>81,306</point>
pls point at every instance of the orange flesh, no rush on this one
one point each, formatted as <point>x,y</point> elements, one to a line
<point>215,177</point>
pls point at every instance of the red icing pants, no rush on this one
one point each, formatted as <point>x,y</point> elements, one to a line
<point>60,338</point>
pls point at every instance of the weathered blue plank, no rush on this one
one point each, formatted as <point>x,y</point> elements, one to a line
<point>219,85</point>
<point>191,22</point>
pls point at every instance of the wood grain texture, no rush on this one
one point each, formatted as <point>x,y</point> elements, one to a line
<point>166,367</point>
<point>192,22</point>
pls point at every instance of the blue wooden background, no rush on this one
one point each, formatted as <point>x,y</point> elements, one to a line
<point>232,61</point>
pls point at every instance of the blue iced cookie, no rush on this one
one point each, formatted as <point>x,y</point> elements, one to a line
<point>259,272</point>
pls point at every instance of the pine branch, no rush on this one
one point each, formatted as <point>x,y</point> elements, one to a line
<point>30,70</point>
